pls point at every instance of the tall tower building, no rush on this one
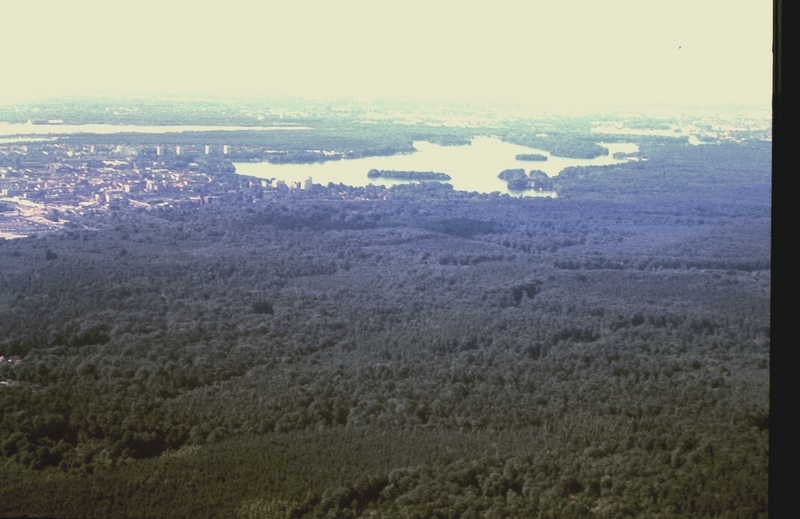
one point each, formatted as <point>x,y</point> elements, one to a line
<point>177,150</point>
<point>208,149</point>
<point>226,149</point>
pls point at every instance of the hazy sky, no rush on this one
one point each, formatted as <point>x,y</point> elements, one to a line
<point>671,52</point>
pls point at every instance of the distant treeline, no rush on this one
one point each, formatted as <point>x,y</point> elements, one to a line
<point>300,157</point>
<point>511,174</point>
<point>570,145</point>
<point>407,175</point>
<point>517,180</point>
<point>534,157</point>
<point>353,142</point>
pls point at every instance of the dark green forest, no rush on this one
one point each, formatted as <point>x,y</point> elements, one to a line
<point>534,157</point>
<point>408,175</point>
<point>437,354</point>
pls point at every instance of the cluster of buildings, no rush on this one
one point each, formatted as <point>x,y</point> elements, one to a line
<point>64,184</point>
<point>40,182</point>
<point>700,125</point>
<point>281,184</point>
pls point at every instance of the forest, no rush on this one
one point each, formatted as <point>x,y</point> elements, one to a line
<point>534,157</point>
<point>407,175</point>
<point>517,180</point>
<point>434,354</point>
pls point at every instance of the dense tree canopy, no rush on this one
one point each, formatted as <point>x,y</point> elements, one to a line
<point>407,175</point>
<point>533,157</point>
<point>434,354</point>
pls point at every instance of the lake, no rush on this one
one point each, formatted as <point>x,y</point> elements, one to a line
<point>473,167</point>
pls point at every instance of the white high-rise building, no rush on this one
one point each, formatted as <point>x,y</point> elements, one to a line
<point>177,150</point>
<point>226,149</point>
<point>208,149</point>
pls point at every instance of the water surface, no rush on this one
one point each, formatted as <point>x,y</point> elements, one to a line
<point>473,167</point>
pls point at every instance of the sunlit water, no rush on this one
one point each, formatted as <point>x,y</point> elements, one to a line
<point>473,167</point>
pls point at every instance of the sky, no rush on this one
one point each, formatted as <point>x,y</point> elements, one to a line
<point>663,52</point>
